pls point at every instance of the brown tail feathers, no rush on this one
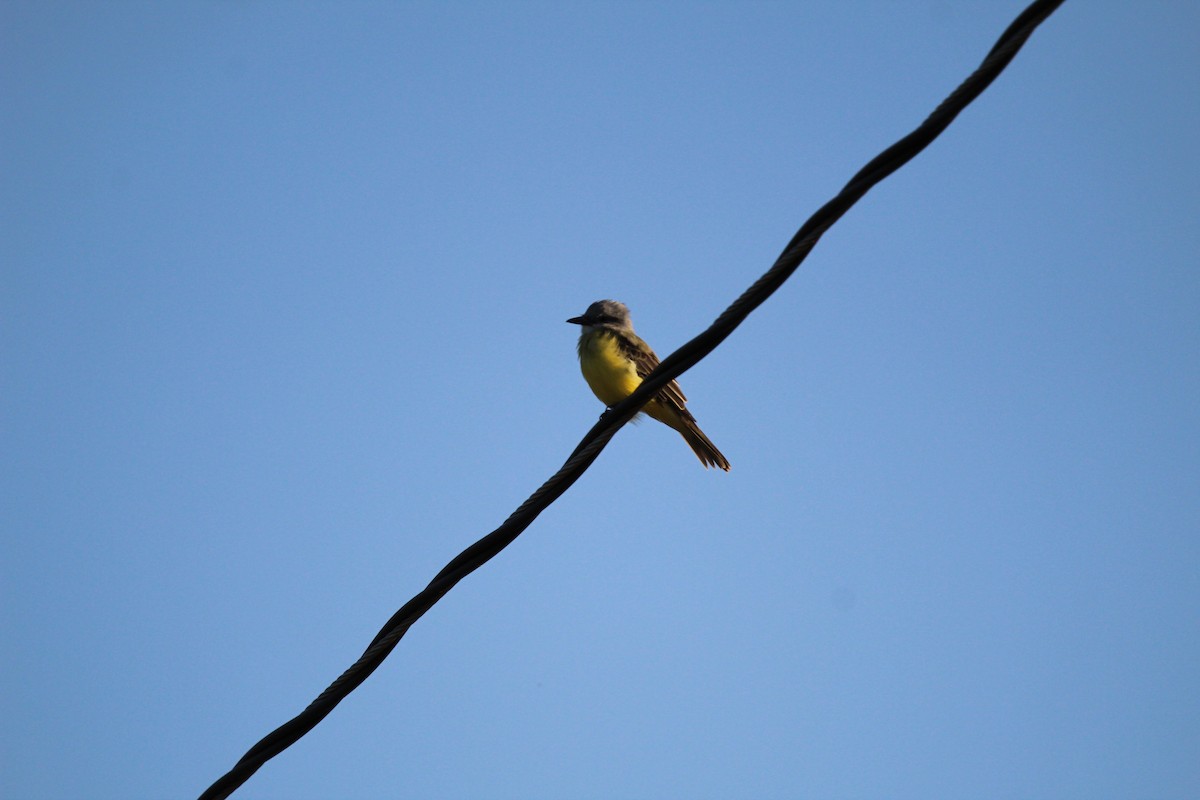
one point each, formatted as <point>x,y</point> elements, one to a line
<point>701,445</point>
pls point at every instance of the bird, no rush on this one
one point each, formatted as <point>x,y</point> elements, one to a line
<point>614,361</point>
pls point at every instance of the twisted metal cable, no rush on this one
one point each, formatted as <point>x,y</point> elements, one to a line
<point>611,421</point>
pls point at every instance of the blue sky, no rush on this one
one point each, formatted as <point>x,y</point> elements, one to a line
<point>283,290</point>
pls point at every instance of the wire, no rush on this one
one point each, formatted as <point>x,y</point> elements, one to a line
<point>611,421</point>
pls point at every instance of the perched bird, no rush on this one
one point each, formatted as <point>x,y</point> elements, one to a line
<point>614,361</point>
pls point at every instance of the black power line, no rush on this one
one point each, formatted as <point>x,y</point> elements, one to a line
<point>674,365</point>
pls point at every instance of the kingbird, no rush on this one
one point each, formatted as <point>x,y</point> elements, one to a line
<point>614,361</point>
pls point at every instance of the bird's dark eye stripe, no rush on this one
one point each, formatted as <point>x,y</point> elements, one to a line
<point>607,318</point>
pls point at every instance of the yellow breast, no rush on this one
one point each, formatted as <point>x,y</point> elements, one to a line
<point>612,376</point>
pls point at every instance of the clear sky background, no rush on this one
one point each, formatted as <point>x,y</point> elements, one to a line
<point>282,314</point>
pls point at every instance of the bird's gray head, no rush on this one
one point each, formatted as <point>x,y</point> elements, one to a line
<point>605,314</point>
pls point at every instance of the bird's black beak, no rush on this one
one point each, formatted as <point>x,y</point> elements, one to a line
<point>578,320</point>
